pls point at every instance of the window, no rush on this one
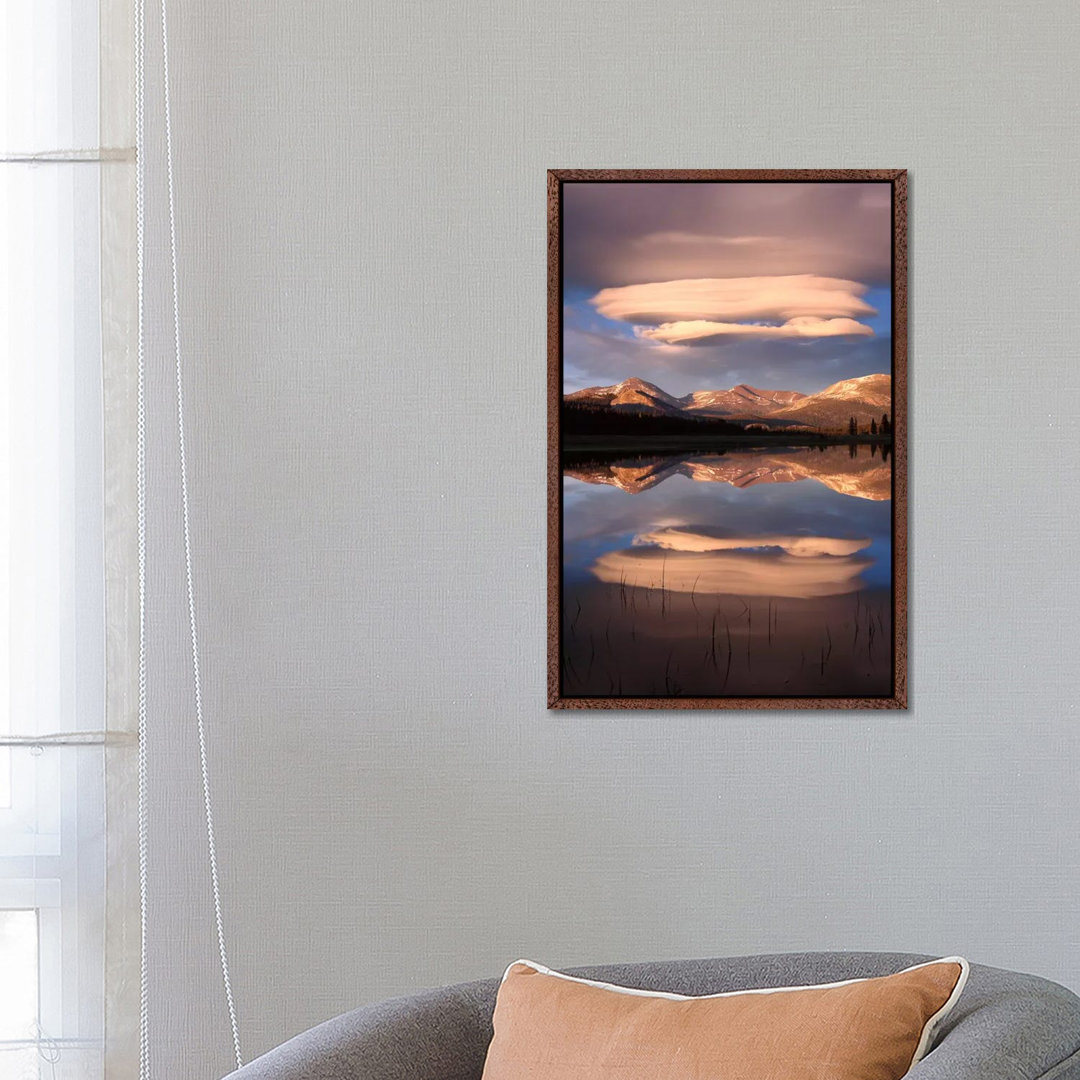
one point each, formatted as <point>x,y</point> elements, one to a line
<point>52,563</point>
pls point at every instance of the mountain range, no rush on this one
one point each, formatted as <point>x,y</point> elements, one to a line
<point>866,398</point>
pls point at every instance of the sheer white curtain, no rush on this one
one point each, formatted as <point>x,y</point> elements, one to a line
<point>59,208</point>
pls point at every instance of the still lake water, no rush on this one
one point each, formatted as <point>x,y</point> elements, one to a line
<point>741,573</point>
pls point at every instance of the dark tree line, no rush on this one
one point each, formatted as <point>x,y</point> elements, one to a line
<point>580,418</point>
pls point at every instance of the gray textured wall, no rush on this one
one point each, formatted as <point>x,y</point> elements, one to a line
<point>361,209</point>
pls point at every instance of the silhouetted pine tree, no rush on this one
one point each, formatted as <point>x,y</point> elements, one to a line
<point>853,428</point>
<point>873,427</point>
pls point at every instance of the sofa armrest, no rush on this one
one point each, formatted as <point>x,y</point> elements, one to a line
<point>1007,1026</point>
<point>438,1035</point>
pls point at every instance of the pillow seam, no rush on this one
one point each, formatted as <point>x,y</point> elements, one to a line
<point>933,1024</point>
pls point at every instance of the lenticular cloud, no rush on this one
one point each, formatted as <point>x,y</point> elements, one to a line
<point>699,331</point>
<point>702,309</point>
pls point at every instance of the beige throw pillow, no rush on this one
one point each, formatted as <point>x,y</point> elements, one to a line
<point>550,1026</point>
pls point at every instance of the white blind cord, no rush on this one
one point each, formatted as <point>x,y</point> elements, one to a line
<point>140,214</point>
<point>140,455</point>
<point>211,847</point>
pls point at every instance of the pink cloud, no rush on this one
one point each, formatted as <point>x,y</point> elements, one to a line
<point>805,326</point>
<point>775,299</point>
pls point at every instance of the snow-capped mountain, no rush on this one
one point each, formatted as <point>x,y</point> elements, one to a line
<point>741,400</point>
<point>630,394</point>
<point>866,398</point>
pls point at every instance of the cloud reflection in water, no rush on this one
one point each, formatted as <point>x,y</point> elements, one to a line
<point>689,561</point>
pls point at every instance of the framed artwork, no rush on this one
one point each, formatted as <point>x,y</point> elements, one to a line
<point>727,439</point>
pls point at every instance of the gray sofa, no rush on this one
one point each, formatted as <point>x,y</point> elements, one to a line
<point>1006,1026</point>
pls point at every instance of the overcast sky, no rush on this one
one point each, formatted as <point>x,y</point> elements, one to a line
<point>701,286</point>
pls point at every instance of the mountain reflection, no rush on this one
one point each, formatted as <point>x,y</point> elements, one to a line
<point>862,475</point>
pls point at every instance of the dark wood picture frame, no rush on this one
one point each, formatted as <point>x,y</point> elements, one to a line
<point>897,178</point>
